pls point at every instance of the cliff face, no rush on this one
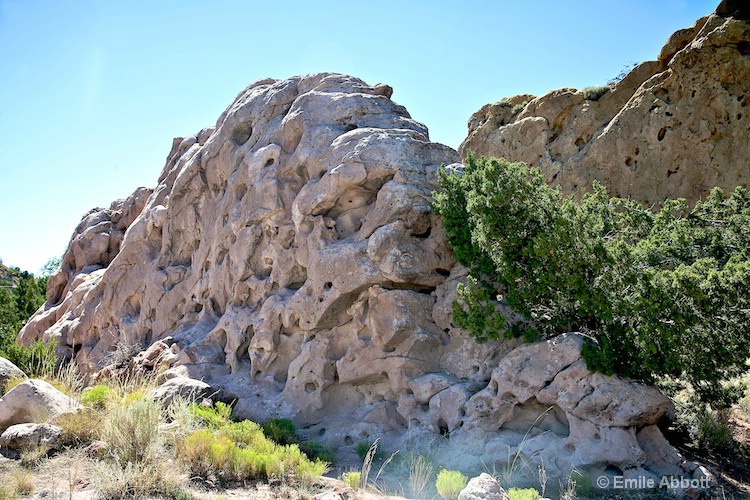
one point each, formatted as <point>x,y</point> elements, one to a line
<point>675,127</point>
<point>289,256</point>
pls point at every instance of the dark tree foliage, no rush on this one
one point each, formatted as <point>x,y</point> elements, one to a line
<point>21,294</point>
<point>661,292</point>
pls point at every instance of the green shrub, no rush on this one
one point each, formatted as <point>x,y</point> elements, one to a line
<point>583,483</point>
<point>97,396</point>
<point>524,494</point>
<point>519,107</point>
<point>713,431</point>
<point>364,446</point>
<point>281,430</point>
<point>352,479</point>
<point>449,483</point>
<point>662,293</point>
<point>315,450</point>
<point>213,417</point>
<point>239,451</point>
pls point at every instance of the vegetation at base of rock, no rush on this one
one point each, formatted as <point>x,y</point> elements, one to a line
<point>523,494</point>
<point>449,483</point>
<point>661,292</point>
<point>364,446</point>
<point>240,451</point>
<point>281,430</point>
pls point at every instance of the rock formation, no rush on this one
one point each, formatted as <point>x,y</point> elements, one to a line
<point>289,257</point>
<point>675,127</point>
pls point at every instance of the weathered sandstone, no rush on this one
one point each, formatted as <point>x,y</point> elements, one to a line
<point>675,127</point>
<point>289,256</point>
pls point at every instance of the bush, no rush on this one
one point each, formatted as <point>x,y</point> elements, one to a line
<point>364,446</point>
<point>524,494</point>
<point>281,430</point>
<point>97,396</point>
<point>239,451</point>
<point>352,479</point>
<point>131,431</point>
<point>663,293</point>
<point>213,417</point>
<point>449,483</point>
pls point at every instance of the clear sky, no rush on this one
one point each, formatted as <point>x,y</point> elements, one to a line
<point>92,92</point>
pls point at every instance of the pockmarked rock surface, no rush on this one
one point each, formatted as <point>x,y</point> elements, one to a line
<point>289,256</point>
<point>34,401</point>
<point>675,127</point>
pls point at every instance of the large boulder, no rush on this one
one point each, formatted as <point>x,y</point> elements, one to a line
<point>25,436</point>
<point>183,387</point>
<point>483,487</point>
<point>34,401</point>
<point>675,127</point>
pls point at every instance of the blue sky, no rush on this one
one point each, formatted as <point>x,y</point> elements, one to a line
<point>92,92</point>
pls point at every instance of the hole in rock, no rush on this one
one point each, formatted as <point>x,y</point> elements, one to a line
<point>242,133</point>
<point>321,432</point>
<point>442,272</point>
<point>198,308</point>
<point>327,285</point>
<point>629,161</point>
<point>662,133</point>
<point>443,428</point>
<point>310,387</point>
<point>424,234</point>
<point>269,162</point>
<point>348,440</point>
<point>743,47</point>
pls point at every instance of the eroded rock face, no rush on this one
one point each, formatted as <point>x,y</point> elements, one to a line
<point>289,257</point>
<point>671,128</point>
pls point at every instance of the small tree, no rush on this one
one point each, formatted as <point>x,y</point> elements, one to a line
<point>662,292</point>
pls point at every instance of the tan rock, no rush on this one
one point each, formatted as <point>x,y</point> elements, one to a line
<point>671,128</point>
<point>290,257</point>
<point>34,401</point>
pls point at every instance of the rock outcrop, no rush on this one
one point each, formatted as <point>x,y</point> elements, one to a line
<point>289,256</point>
<point>675,127</point>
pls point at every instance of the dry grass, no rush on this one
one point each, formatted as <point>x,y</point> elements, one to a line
<point>80,428</point>
<point>22,482</point>
<point>138,480</point>
<point>33,457</point>
<point>420,472</point>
